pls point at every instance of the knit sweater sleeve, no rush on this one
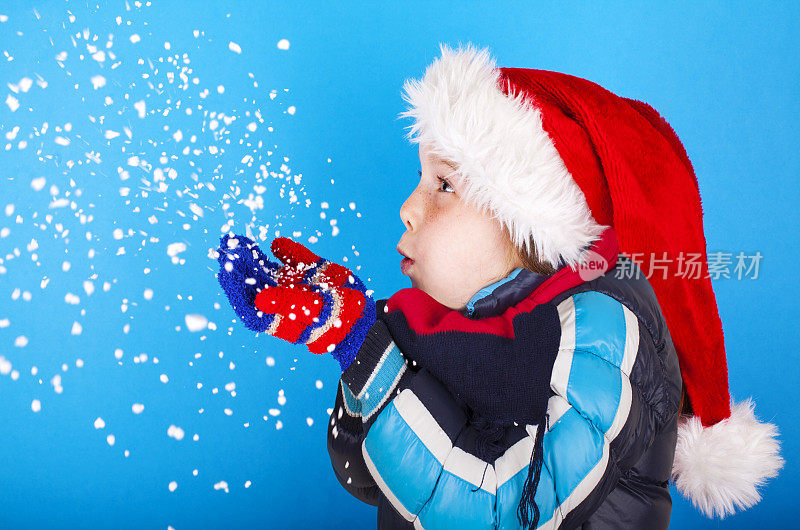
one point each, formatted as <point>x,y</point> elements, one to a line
<point>377,375</point>
<point>387,407</point>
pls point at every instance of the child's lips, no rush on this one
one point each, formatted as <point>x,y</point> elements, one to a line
<point>406,264</point>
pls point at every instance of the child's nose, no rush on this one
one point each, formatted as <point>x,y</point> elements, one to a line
<point>411,210</point>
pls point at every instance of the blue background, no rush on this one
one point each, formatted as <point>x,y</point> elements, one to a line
<point>724,75</point>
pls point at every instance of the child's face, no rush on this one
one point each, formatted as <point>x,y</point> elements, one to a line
<point>457,250</point>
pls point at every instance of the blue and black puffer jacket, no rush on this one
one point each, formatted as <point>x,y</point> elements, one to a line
<point>402,435</point>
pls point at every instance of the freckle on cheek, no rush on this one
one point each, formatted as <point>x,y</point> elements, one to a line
<point>430,212</point>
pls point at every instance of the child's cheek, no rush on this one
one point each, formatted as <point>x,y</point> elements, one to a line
<point>430,214</point>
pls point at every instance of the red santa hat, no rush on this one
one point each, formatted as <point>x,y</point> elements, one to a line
<point>557,159</point>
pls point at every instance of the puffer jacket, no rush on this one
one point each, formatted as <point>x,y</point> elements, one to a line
<point>401,439</point>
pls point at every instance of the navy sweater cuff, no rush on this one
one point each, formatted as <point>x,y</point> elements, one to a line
<point>375,346</point>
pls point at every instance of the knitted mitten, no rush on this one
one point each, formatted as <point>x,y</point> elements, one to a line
<point>243,272</point>
<point>305,300</point>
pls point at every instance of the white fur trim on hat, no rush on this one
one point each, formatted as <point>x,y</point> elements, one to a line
<point>506,160</point>
<point>720,467</point>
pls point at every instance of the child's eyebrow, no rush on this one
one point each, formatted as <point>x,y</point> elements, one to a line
<point>448,164</point>
<point>451,165</point>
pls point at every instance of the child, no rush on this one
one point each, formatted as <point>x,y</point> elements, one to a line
<point>532,376</point>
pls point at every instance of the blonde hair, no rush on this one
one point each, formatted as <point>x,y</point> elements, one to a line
<point>529,259</point>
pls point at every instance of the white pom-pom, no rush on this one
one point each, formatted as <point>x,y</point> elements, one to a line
<point>719,468</point>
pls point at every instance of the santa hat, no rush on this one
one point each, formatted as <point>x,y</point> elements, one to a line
<point>557,159</point>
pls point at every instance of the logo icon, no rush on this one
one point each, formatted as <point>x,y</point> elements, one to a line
<point>592,266</point>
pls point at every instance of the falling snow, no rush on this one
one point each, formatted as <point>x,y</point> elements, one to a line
<point>113,224</point>
<point>196,322</point>
<point>175,432</point>
<point>12,102</point>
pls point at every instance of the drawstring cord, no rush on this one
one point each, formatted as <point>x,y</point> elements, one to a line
<point>488,445</point>
<point>527,503</point>
<point>489,449</point>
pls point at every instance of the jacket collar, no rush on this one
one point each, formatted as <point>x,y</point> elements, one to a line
<point>493,299</point>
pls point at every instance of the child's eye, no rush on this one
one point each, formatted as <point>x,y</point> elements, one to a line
<point>441,181</point>
<point>444,181</point>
